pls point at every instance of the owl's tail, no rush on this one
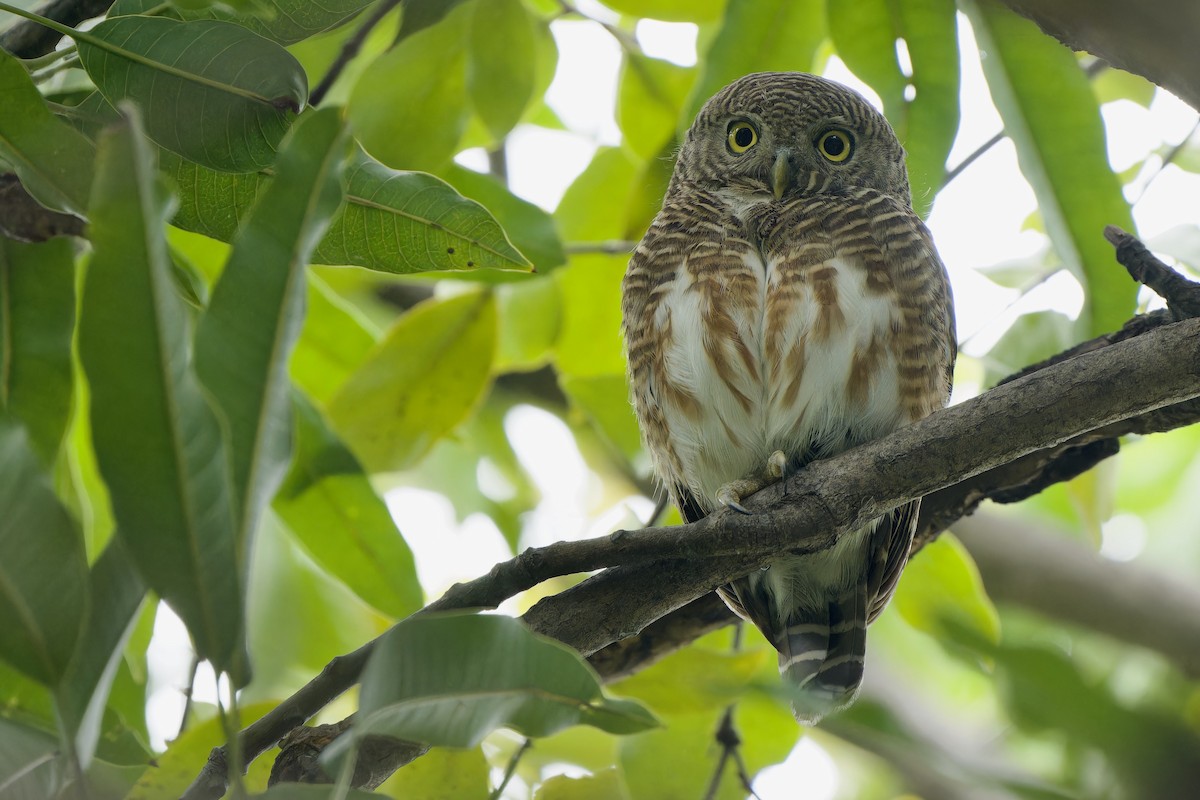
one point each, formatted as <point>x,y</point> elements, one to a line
<point>821,654</point>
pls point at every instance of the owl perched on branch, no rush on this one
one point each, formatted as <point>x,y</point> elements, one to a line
<point>785,305</point>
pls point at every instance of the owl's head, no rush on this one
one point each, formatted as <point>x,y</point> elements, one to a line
<point>785,133</point>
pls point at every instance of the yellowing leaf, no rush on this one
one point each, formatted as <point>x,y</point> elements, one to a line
<point>421,381</point>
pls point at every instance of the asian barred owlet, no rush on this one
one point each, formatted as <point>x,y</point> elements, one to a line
<point>785,305</point>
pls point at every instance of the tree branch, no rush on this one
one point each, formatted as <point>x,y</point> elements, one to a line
<point>1043,425</point>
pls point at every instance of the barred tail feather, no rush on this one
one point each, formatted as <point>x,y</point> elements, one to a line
<point>821,653</point>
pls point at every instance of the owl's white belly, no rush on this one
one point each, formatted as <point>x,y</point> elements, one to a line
<point>806,377</point>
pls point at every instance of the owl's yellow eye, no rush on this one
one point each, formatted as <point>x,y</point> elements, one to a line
<point>836,145</point>
<point>742,137</point>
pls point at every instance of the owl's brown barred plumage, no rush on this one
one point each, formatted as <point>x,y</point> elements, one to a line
<point>785,305</point>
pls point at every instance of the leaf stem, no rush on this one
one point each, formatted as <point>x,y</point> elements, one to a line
<point>510,769</point>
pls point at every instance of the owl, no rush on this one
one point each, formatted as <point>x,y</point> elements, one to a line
<point>785,305</point>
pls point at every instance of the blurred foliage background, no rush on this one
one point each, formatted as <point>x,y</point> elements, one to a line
<point>450,366</point>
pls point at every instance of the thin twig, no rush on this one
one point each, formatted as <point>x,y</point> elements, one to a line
<point>612,247</point>
<point>187,694</point>
<point>957,170</point>
<point>1167,160</point>
<point>350,50</point>
<point>510,769</point>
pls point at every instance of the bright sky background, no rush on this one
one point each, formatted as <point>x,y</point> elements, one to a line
<point>977,223</point>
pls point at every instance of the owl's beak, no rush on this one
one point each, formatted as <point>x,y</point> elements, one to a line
<point>782,174</point>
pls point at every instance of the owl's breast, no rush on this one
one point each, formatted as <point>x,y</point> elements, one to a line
<point>784,343</point>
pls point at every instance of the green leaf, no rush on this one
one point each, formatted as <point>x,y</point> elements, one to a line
<point>409,108</point>
<point>604,400</point>
<point>604,785</point>
<point>53,161</point>
<point>699,679</point>
<point>283,21</point>
<point>530,314</point>
<point>650,94</point>
<point>43,569</point>
<point>532,230</point>
<point>941,588</point>
<point>158,444</point>
<point>451,679</point>
<point>329,505</point>
<point>686,742</point>
<point>421,14</point>
<point>590,341</point>
<point>400,222</point>
<point>501,62</point>
<point>29,769</point>
<point>762,36</point>
<point>334,342</point>
<point>245,338</point>
<point>1045,100</point>
<point>611,174</point>
<point>174,770</point>
<point>116,595</point>
<point>211,91</point>
<point>424,378</point>
<point>671,10</point>
<point>865,35</point>
<point>299,617</point>
<point>406,222</point>
<point>1117,84</point>
<point>441,774</point>
<point>37,319</point>
<point>1032,338</point>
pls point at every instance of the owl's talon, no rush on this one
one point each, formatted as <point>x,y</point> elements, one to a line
<point>728,497</point>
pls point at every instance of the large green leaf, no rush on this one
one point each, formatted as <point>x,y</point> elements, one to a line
<point>650,94</point>
<point>37,319</point>
<point>330,507</point>
<point>1053,118</point>
<point>334,341</point>
<point>941,587</point>
<point>53,161</point>
<point>452,679</point>
<point>421,14</point>
<point>412,222</point>
<point>865,35</point>
<point>759,36</point>
<point>211,91</point>
<point>158,444</point>
<point>116,595</point>
<point>283,21</point>
<point>245,337</point>
<point>501,62</point>
<point>409,108</point>
<point>530,314</point>
<point>422,380</point>
<point>43,569</point>
<point>611,174</point>
<point>392,221</point>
